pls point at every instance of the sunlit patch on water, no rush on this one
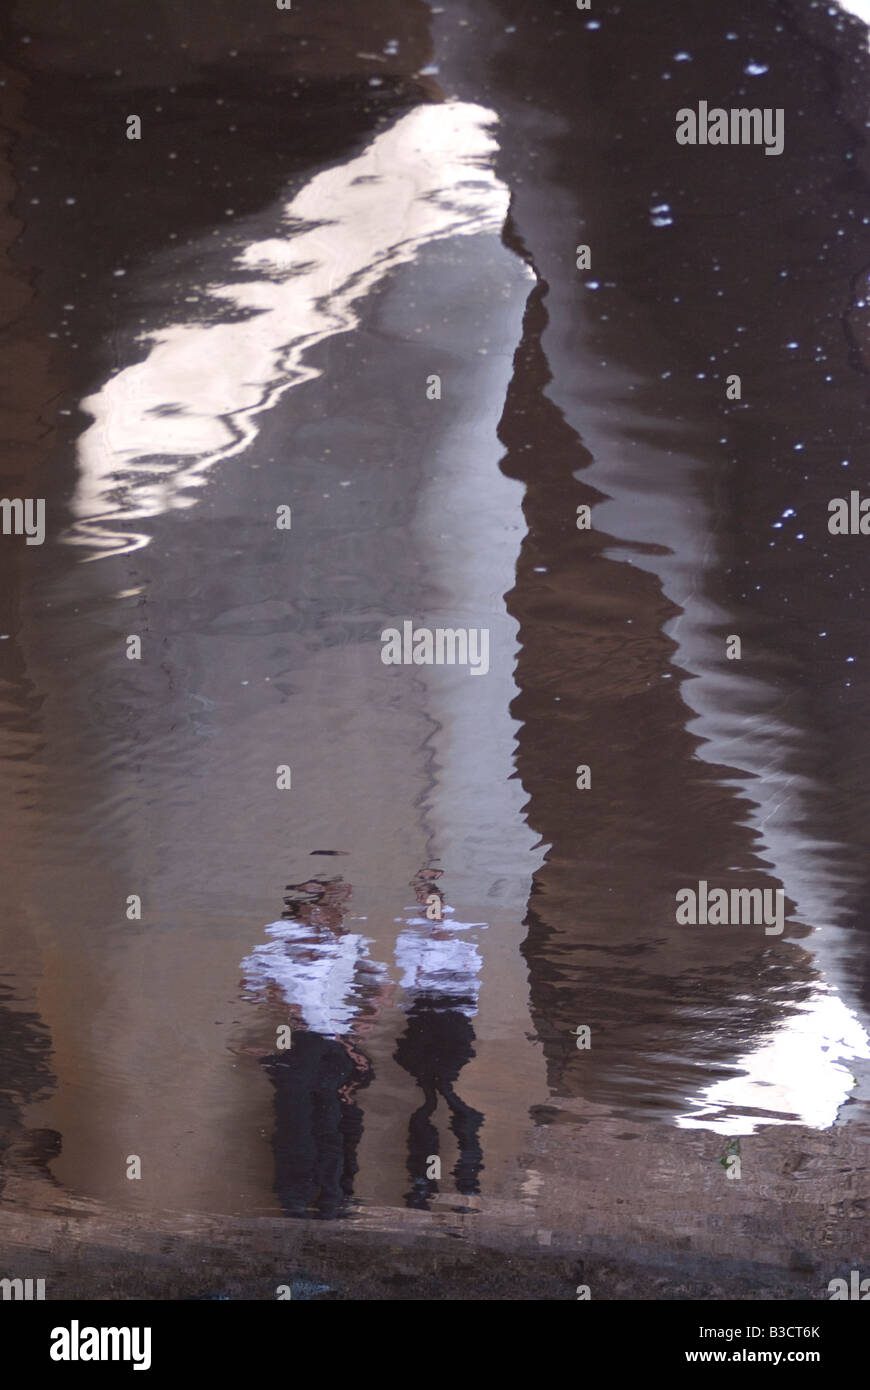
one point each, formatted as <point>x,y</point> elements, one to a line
<point>798,1075</point>
<point>161,424</point>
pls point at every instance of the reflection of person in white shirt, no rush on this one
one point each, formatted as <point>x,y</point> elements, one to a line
<point>322,977</point>
<point>437,963</point>
<point>321,974</point>
<point>440,975</point>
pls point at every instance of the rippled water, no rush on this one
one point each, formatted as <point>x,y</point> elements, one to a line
<point>242,314</point>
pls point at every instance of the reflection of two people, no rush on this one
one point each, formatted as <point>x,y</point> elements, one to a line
<point>322,974</point>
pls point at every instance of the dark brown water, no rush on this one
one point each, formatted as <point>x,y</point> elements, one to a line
<point>240,312</point>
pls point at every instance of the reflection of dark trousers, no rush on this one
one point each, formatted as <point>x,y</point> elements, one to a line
<point>434,1049</point>
<point>318,1125</point>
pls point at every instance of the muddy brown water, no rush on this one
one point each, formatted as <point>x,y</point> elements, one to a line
<point>242,311</point>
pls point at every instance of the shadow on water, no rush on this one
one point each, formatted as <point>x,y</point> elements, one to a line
<point>25,1052</point>
<point>668,1010</point>
<point>710,518</point>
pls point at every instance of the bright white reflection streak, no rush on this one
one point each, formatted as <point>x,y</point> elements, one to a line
<point>797,1076</point>
<point>860,8</point>
<point>160,424</point>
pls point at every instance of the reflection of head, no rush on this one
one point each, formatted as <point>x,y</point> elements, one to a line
<point>318,902</point>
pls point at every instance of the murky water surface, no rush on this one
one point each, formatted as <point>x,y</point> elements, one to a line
<point>313,935</point>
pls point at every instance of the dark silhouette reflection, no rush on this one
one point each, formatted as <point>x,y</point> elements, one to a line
<point>602,948</point>
<point>319,976</point>
<point>25,1048</point>
<point>718,525</point>
<point>318,1124</point>
<point>439,973</point>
